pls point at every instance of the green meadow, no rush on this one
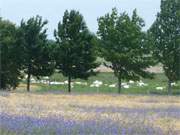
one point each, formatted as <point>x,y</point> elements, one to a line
<point>107,79</point>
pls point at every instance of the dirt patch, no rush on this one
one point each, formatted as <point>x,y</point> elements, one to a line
<point>155,69</point>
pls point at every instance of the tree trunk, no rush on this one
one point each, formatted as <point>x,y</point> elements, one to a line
<point>28,81</point>
<point>69,84</point>
<point>119,85</point>
<point>169,87</point>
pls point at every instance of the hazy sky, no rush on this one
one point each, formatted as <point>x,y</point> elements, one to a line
<point>53,10</point>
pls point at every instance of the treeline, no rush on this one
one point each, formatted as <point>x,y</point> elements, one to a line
<point>120,40</point>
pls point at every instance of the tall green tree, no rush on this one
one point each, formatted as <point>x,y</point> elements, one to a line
<point>9,56</point>
<point>165,33</point>
<point>123,44</point>
<point>37,60</point>
<point>75,56</point>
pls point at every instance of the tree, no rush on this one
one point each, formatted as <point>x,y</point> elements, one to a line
<point>165,33</point>
<point>9,56</point>
<point>75,55</point>
<point>37,60</point>
<point>123,44</point>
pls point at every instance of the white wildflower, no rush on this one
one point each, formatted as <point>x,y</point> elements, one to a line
<point>159,88</point>
<point>57,83</point>
<point>141,84</point>
<point>131,82</point>
<point>65,82</point>
<point>112,85</point>
<point>173,84</point>
<point>126,86</point>
<point>96,84</point>
<point>46,77</point>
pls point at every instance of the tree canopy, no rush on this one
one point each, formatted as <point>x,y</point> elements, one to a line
<point>123,44</point>
<point>37,60</point>
<point>75,55</point>
<point>165,33</point>
<point>10,60</point>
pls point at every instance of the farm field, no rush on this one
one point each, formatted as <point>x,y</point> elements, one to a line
<point>109,85</point>
<point>88,114</point>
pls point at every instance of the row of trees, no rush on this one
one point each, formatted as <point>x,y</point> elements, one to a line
<point>26,50</point>
<point>120,40</point>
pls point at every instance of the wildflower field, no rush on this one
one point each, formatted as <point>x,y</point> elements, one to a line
<point>93,108</point>
<point>88,114</point>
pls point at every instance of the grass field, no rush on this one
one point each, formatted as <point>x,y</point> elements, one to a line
<point>88,114</point>
<point>108,79</point>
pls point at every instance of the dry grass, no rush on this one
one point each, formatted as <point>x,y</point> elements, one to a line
<point>79,107</point>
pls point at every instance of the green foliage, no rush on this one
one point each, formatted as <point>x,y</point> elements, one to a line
<point>165,33</point>
<point>37,59</point>
<point>124,45</point>
<point>9,58</point>
<point>75,55</point>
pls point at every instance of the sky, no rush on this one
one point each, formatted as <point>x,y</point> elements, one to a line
<point>53,10</point>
